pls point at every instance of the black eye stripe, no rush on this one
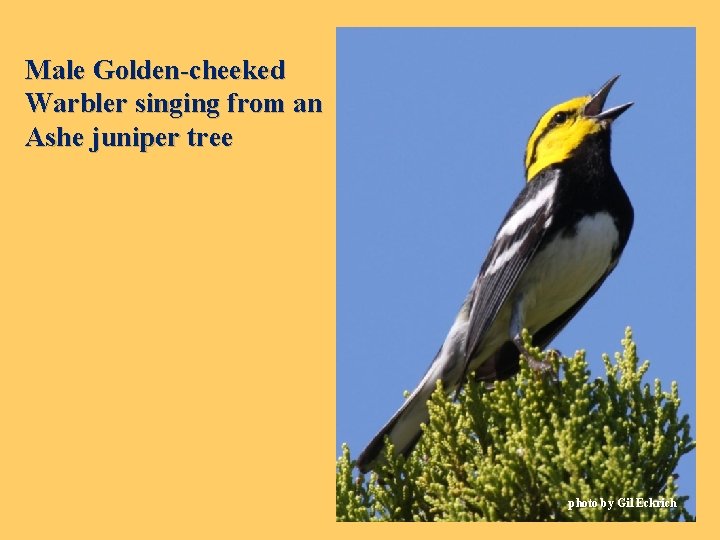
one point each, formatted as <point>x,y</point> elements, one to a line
<point>550,125</point>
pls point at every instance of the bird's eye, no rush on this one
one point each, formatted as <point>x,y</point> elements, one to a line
<point>559,117</point>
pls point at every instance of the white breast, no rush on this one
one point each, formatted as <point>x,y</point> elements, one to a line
<point>565,270</point>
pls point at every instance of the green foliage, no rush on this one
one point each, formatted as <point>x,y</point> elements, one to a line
<point>527,449</point>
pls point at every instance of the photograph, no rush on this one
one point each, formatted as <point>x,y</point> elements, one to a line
<point>498,190</point>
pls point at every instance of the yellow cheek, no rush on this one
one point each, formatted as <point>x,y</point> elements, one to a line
<point>557,145</point>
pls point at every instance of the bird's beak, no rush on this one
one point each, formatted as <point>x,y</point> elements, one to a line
<point>593,109</point>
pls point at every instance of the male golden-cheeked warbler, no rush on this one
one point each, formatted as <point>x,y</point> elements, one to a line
<point>560,239</point>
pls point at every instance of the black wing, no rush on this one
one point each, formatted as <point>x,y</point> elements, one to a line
<point>508,257</point>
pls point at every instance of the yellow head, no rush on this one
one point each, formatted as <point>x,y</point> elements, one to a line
<point>563,128</point>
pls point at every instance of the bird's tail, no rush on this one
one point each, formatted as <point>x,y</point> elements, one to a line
<point>403,428</point>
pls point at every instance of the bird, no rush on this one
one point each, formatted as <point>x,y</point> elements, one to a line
<point>561,238</point>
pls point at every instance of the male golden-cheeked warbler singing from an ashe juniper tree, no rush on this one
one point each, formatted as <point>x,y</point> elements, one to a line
<point>560,239</point>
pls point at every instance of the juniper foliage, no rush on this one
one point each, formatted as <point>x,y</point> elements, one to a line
<point>527,448</point>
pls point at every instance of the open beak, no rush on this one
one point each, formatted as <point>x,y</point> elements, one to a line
<point>593,109</point>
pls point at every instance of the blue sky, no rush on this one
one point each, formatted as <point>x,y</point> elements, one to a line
<point>431,130</point>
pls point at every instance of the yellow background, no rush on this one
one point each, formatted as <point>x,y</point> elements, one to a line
<point>167,330</point>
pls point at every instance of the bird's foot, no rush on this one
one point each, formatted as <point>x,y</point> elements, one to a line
<point>539,366</point>
<point>542,367</point>
<point>545,365</point>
